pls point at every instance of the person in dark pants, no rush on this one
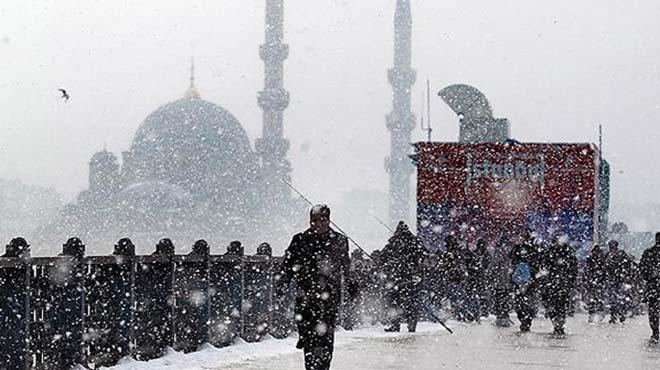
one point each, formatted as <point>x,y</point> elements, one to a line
<point>402,260</point>
<point>317,261</point>
<point>616,272</point>
<point>477,263</point>
<point>499,280</point>
<point>650,270</point>
<point>455,272</point>
<point>560,264</point>
<point>524,265</point>
<point>594,282</point>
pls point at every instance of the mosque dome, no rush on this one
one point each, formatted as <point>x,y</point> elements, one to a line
<point>193,144</point>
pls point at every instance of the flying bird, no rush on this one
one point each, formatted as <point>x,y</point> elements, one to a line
<point>65,95</point>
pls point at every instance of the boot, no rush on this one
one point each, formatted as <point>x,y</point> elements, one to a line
<point>525,326</point>
<point>393,328</point>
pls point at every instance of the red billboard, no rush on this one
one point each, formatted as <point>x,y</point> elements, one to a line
<point>490,189</point>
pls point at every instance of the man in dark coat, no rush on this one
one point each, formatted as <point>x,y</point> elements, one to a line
<point>476,286</point>
<point>616,271</point>
<point>524,268</point>
<point>402,260</point>
<point>560,263</point>
<point>650,270</point>
<point>594,282</point>
<point>317,261</point>
<point>454,266</point>
<point>499,280</point>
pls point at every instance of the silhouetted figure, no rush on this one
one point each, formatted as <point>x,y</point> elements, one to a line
<point>402,260</point>
<point>455,277</point>
<point>317,261</point>
<point>650,271</point>
<point>595,282</point>
<point>560,264</point>
<point>616,271</point>
<point>477,263</point>
<point>499,278</point>
<point>524,269</point>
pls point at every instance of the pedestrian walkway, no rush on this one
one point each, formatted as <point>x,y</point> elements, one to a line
<point>484,346</point>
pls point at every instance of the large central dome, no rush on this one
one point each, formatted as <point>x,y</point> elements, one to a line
<point>193,144</point>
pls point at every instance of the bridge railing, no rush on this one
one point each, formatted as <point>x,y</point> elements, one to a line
<point>56,312</point>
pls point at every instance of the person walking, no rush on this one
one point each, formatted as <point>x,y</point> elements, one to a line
<point>594,283</point>
<point>616,273</point>
<point>523,276</point>
<point>499,279</point>
<point>560,264</point>
<point>317,261</point>
<point>402,260</point>
<point>455,272</point>
<point>650,271</point>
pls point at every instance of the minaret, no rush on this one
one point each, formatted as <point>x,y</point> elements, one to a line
<point>272,147</point>
<point>401,120</point>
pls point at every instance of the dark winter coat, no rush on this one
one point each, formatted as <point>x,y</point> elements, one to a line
<point>477,264</point>
<point>650,271</point>
<point>402,258</point>
<point>561,266</point>
<point>594,271</point>
<point>454,263</point>
<point>317,264</point>
<point>617,268</point>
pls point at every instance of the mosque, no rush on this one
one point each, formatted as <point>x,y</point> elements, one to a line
<point>192,170</point>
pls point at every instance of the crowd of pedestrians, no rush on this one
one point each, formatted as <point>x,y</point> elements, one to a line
<point>404,282</point>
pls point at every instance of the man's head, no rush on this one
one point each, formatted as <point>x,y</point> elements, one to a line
<point>319,219</point>
<point>657,238</point>
<point>613,245</point>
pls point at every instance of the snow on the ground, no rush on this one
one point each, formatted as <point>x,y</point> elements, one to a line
<point>210,357</point>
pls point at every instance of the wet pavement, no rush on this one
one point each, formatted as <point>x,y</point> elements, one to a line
<point>484,346</point>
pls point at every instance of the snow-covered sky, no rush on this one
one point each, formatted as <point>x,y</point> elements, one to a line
<point>556,69</point>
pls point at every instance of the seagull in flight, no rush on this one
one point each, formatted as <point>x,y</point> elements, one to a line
<point>65,95</point>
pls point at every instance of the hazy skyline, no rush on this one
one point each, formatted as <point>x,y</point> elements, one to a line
<point>555,70</point>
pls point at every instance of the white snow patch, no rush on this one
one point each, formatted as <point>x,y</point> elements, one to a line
<point>210,357</point>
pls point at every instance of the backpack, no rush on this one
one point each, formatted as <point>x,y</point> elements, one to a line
<point>522,274</point>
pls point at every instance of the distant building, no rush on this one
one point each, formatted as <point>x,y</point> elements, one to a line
<point>191,170</point>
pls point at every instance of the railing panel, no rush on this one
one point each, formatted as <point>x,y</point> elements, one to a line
<point>108,309</point>
<point>283,318</point>
<point>14,314</point>
<point>57,296</point>
<point>153,306</point>
<point>257,289</point>
<point>191,302</point>
<point>226,300</point>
